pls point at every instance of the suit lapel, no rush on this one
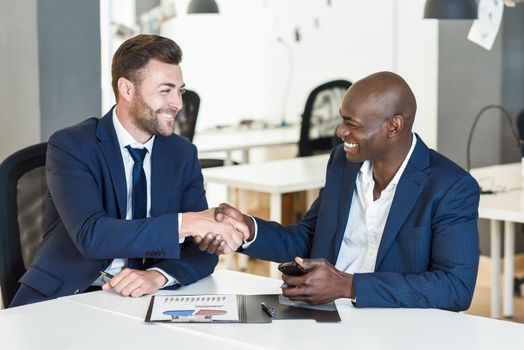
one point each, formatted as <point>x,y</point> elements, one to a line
<point>162,163</point>
<point>349,176</point>
<point>409,188</point>
<point>111,149</point>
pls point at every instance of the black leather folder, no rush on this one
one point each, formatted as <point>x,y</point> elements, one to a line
<point>255,313</point>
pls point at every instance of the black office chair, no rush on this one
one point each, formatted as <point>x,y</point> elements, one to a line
<point>185,121</point>
<point>520,129</point>
<point>185,124</point>
<point>23,190</point>
<point>321,118</point>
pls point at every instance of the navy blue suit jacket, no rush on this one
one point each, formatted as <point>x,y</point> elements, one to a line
<point>85,226</point>
<point>428,255</point>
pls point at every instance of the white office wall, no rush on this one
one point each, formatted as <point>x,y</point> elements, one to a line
<point>242,61</point>
<point>416,59</point>
<point>240,67</point>
<point>19,88</point>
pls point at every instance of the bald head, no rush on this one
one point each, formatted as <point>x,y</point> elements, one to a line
<point>378,113</point>
<point>388,94</point>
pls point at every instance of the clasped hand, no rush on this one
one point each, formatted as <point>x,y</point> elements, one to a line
<point>228,231</point>
<point>215,243</point>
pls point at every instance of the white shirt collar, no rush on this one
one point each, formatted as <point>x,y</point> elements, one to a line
<point>125,138</point>
<point>366,170</point>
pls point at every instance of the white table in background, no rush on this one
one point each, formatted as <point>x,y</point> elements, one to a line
<point>505,208</point>
<point>230,140</point>
<point>275,177</point>
<point>372,328</point>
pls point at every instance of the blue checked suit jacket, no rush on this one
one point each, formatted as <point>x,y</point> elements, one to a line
<point>428,256</point>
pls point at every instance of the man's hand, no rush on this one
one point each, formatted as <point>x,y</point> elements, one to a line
<point>212,242</point>
<point>225,209</point>
<point>322,285</point>
<point>231,232</point>
<point>135,283</point>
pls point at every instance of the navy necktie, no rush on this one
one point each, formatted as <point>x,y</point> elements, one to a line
<point>139,194</point>
<point>139,198</point>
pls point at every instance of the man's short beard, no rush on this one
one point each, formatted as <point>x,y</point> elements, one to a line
<point>146,119</point>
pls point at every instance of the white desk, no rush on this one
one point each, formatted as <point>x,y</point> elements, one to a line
<point>229,140</point>
<point>507,208</point>
<point>275,177</point>
<point>48,325</point>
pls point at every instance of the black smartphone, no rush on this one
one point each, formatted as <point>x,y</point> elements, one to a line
<point>292,268</point>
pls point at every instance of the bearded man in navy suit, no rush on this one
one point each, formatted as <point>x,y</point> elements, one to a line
<point>125,194</point>
<point>395,224</point>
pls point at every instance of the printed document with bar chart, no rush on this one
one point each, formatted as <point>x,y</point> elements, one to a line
<point>193,308</point>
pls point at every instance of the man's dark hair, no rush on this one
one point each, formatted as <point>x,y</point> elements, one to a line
<point>135,53</point>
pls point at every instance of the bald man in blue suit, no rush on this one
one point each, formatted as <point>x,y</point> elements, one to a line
<point>395,224</point>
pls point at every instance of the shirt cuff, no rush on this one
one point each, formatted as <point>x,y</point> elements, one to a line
<point>180,240</point>
<point>247,244</point>
<point>170,279</point>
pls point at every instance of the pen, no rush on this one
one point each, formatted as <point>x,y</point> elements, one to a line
<point>272,312</point>
<point>106,274</point>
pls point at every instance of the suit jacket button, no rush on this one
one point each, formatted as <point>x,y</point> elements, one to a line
<point>77,291</point>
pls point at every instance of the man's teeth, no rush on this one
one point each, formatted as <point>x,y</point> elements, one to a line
<point>350,145</point>
<point>167,115</point>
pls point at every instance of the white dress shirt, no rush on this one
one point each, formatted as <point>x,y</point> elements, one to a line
<point>125,139</point>
<point>367,219</point>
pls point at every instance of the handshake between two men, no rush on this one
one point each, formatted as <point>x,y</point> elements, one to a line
<point>220,230</point>
<point>228,230</point>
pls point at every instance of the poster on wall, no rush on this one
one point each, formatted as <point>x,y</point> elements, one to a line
<point>484,29</point>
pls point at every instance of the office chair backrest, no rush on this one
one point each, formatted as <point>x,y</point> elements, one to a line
<point>23,190</point>
<point>520,129</point>
<point>185,124</point>
<point>321,118</point>
<point>185,121</point>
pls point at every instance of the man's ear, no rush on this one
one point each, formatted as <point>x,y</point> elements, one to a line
<point>396,125</point>
<point>126,89</point>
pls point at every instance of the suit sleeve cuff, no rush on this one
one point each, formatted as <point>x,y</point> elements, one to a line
<point>247,244</point>
<point>180,240</point>
<point>170,279</point>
